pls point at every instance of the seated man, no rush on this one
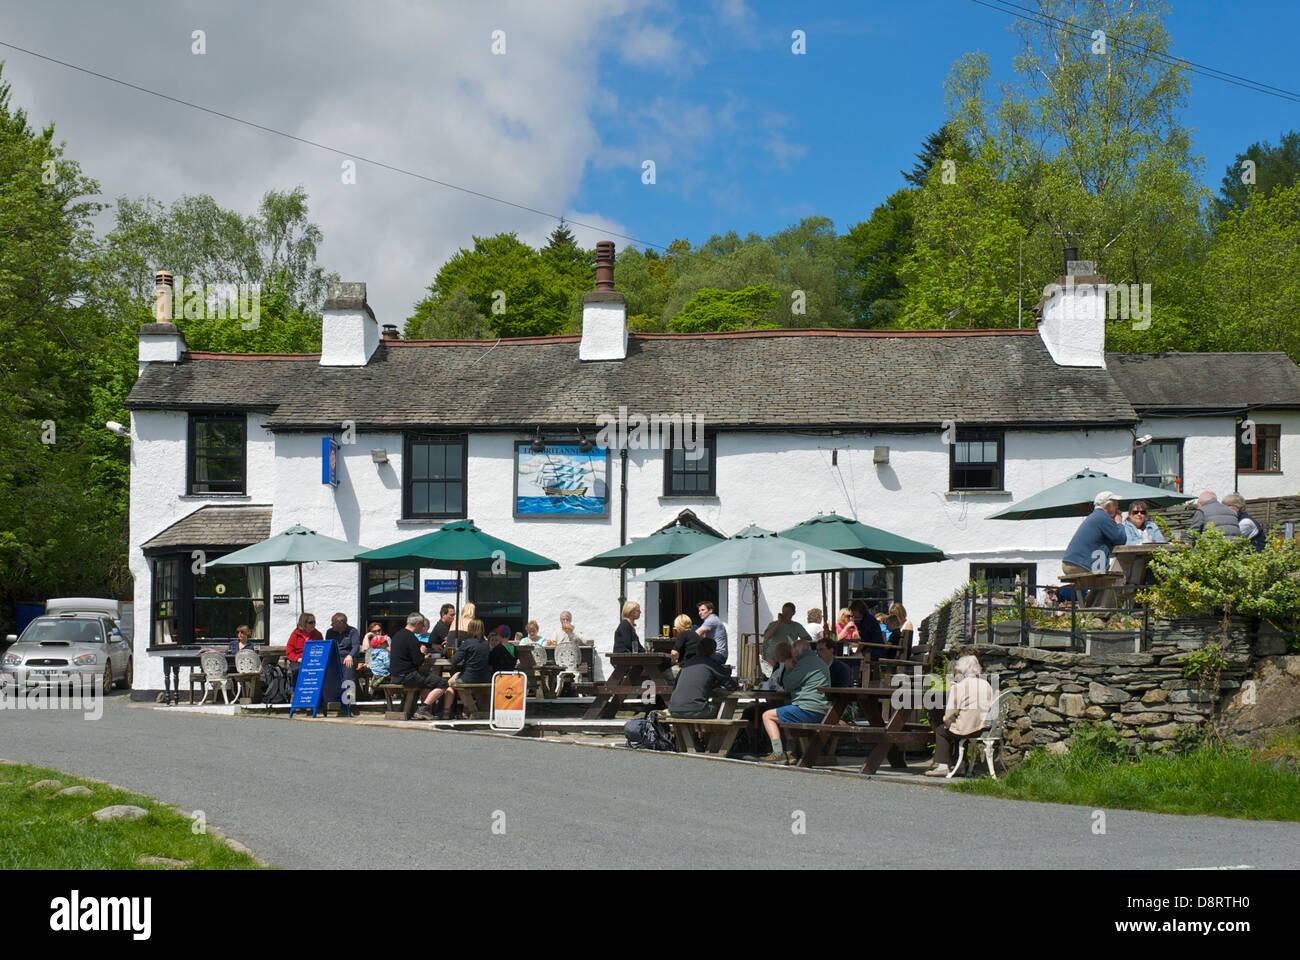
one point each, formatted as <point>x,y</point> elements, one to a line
<point>348,640</point>
<point>1089,549</point>
<point>472,663</point>
<point>784,628</point>
<point>804,674</point>
<point>969,702</point>
<point>406,658</point>
<point>699,677</point>
<point>567,631</point>
<point>841,676</point>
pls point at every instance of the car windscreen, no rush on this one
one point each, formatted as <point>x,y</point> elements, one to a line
<point>68,631</point>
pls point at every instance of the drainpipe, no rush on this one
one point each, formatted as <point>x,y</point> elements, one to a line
<point>622,527</point>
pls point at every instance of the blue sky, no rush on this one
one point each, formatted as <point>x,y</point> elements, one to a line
<point>827,132</point>
<point>745,135</point>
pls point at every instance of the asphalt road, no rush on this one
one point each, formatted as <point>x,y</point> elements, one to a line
<point>328,795</point>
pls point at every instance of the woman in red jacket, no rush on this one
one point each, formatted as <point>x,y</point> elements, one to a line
<point>305,631</point>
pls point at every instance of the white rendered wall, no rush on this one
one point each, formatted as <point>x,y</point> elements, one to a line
<point>604,331</point>
<point>774,480</point>
<point>158,499</point>
<point>348,338</point>
<point>1210,450</point>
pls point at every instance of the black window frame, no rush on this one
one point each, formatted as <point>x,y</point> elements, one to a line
<point>408,459</point>
<point>1031,587</point>
<point>182,599</point>
<point>671,473</point>
<point>978,435</point>
<point>191,451</point>
<point>1137,478</point>
<point>472,583</point>
<point>1274,433</point>
<point>894,594</point>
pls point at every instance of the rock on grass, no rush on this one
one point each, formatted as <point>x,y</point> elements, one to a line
<point>46,785</point>
<point>74,792</point>
<point>120,811</point>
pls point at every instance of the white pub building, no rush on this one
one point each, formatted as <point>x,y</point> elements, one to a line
<point>378,439</point>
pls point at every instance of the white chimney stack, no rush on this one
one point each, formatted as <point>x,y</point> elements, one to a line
<point>604,313</point>
<point>1073,327</point>
<point>160,341</point>
<point>349,331</point>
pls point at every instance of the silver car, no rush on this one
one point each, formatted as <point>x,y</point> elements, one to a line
<point>69,648</point>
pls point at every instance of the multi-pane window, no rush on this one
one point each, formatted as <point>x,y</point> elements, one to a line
<point>975,461</point>
<point>207,606</point>
<point>435,477</point>
<point>166,600</point>
<point>1264,455</point>
<point>1001,577</point>
<point>1159,464</point>
<point>390,596</point>
<point>217,462</point>
<point>691,472</point>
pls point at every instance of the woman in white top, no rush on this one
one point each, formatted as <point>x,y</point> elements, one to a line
<point>969,702</point>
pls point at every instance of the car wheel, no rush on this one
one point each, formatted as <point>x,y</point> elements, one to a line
<point>128,679</point>
<point>108,679</point>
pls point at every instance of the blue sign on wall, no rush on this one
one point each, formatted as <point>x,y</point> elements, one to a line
<point>440,586</point>
<point>329,461</point>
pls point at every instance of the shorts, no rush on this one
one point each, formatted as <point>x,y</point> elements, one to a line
<point>423,681</point>
<point>792,714</point>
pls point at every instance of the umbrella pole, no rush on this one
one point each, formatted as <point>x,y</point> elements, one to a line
<point>679,599</point>
<point>758,645</point>
<point>302,604</point>
<point>825,608</point>
<point>458,620</point>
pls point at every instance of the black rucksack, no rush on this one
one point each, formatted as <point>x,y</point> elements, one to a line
<point>649,733</point>
<point>275,684</point>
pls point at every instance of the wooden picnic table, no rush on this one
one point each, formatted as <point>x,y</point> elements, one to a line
<point>890,735</point>
<point>732,700</point>
<point>629,674</point>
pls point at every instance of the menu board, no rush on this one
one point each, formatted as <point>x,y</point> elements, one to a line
<point>509,693</point>
<point>320,678</point>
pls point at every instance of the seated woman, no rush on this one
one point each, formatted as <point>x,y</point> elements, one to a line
<point>306,630</point>
<point>846,631</point>
<point>471,663</point>
<point>625,636</point>
<point>243,639</point>
<point>969,702</point>
<point>685,642</point>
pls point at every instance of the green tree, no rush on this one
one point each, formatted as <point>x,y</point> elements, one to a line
<point>879,247</point>
<point>520,291</point>
<point>1092,138</point>
<point>62,512</point>
<point>455,318</point>
<point>1274,167</point>
<point>946,143</point>
<point>721,310</point>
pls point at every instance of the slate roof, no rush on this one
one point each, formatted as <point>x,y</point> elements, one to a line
<point>1206,381</point>
<point>758,379</point>
<point>215,525</point>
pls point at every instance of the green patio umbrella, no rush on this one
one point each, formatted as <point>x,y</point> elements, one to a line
<point>1073,497</point>
<point>846,535</point>
<point>663,546</point>
<point>753,553</point>
<point>458,545</point>
<point>297,545</point>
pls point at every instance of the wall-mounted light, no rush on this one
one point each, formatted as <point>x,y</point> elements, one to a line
<point>584,445</point>
<point>880,456</point>
<point>379,456</point>
<point>116,428</point>
<point>1143,440</point>
<point>538,445</point>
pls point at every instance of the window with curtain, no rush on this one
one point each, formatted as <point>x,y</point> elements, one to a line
<point>1264,455</point>
<point>217,462</point>
<point>1159,464</point>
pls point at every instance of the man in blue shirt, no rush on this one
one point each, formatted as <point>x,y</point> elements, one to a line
<point>1089,549</point>
<point>348,641</point>
<point>711,626</point>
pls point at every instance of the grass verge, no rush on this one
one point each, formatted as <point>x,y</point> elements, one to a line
<point>40,830</point>
<point>1206,780</point>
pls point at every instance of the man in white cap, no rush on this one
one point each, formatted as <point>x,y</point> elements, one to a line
<point>1089,549</point>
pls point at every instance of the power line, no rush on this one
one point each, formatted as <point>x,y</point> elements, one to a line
<point>322,146</point>
<point>1213,73</point>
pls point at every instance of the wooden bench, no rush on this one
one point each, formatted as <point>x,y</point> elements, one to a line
<point>907,737</point>
<point>475,700</point>
<point>409,696</point>
<point>706,735</point>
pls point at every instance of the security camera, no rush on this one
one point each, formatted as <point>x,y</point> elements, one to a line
<point>116,428</point>
<point>1143,440</point>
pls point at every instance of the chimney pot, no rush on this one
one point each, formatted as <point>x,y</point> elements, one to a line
<point>162,296</point>
<point>390,332</point>
<point>605,265</point>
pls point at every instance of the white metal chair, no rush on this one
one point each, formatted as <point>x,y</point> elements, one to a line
<point>213,665</point>
<point>248,665</point>
<point>990,738</point>
<point>568,657</point>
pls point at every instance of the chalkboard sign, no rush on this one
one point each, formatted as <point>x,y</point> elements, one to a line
<point>320,679</point>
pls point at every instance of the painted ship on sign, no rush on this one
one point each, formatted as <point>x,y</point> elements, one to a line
<point>563,480</point>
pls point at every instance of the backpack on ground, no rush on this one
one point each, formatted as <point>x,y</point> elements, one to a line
<point>275,684</point>
<point>649,733</point>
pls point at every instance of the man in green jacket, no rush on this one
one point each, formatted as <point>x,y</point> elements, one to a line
<point>804,673</point>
